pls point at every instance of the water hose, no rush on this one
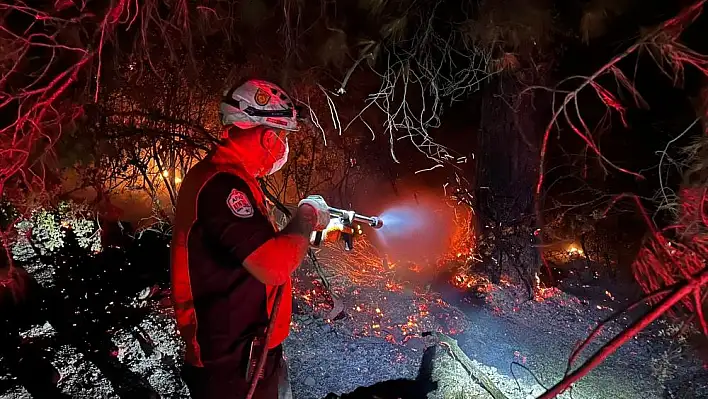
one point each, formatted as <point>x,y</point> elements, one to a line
<point>278,296</point>
<point>269,332</point>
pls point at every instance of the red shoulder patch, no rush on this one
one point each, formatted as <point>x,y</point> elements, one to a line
<point>239,204</point>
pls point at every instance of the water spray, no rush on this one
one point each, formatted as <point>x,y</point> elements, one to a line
<point>415,231</point>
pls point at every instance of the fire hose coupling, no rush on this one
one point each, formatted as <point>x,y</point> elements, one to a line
<point>348,217</point>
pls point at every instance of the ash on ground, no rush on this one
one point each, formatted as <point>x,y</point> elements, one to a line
<point>379,337</point>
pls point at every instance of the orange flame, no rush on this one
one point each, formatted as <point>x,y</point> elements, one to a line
<point>462,241</point>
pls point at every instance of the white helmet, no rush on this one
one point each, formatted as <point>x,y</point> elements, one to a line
<point>258,103</point>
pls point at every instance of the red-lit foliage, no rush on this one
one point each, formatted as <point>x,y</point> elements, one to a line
<point>678,252</point>
<point>37,106</point>
<point>53,59</point>
<point>672,267</point>
<point>662,40</point>
<point>75,40</point>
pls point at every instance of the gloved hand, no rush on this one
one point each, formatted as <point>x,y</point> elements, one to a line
<point>333,231</point>
<point>321,209</point>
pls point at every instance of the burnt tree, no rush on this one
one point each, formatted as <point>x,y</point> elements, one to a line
<point>507,171</point>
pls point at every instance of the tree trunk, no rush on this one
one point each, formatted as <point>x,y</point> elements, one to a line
<point>584,247</point>
<point>507,171</point>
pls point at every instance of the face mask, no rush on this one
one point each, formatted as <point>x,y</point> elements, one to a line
<point>280,162</point>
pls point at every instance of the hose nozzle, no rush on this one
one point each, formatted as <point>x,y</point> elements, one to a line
<point>351,216</point>
<point>377,222</point>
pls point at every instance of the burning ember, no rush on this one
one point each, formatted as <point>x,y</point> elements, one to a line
<point>574,251</point>
<point>541,294</point>
<point>363,265</point>
<point>376,303</point>
<point>380,298</point>
<point>468,282</point>
<point>388,310</point>
<point>462,243</point>
<point>402,316</point>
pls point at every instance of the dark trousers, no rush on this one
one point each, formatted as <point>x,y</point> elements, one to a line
<point>226,379</point>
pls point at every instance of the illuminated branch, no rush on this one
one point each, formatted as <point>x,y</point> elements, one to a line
<point>662,43</point>
<point>663,39</point>
<point>421,67</point>
<point>366,53</point>
<point>474,372</point>
<point>665,202</point>
<point>676,267</point>
<point>313,118</point>
<point>332,111</point>
<point>51,61</point>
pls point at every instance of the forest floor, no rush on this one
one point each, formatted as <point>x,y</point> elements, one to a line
<point>522,345</point>
<point>379,338</point>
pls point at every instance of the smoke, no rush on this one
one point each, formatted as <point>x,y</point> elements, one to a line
<point>417,230</point>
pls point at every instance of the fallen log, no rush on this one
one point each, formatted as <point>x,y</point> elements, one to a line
<point>477,375</point>
<point>445,373</point>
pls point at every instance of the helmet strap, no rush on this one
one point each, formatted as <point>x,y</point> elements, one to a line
<point>270,146</point>
<point>269,142</point>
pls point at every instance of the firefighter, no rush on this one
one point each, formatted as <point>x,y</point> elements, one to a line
<point>228,258</point>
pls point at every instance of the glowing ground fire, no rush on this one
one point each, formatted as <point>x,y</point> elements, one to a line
<point>374,268</point>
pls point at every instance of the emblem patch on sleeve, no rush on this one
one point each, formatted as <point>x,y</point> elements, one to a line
<point>239,204</point>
